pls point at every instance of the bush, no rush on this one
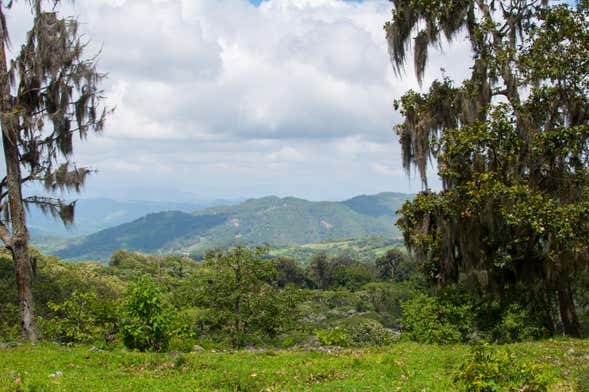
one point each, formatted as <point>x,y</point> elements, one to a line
<point>427,320</point>
<point>368,332</point>
<point>515,326</point>
<point>9,327</point>
<point>147,321</point>
<point>487,370</point>
<point>82,318</point>
<point>333,337</point>
<point>293,338</point>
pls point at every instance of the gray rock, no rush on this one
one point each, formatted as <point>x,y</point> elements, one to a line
<point>197,348</point>
<point>329,349</point>
<point>313,341</point>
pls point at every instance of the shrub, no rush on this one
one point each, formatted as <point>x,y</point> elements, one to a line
<point>333,337</point>
<point>9,328</point>
<point>427,320</point>
<point>293,338</point>
<point>487,370</point>
<point>82,318</point>
<point>515,326</point>
<point>147,321</point>
<point>368,332</point>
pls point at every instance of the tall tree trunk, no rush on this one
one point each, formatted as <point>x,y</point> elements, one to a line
<point>566,307</point>
<point>19,236</point>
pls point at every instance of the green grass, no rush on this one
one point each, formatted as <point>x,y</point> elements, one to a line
<point>402,367</point>
<point>364,249</point>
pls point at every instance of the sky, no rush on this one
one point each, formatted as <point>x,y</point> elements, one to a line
<point>235,98</point>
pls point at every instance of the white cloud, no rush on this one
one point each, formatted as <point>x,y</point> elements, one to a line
<point>385,169</point>
<point>220,96</point>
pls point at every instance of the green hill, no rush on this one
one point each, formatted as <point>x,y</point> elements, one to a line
<point>270,220</point>
<point>93,215</point>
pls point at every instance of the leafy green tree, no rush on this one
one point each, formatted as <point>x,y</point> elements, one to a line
<point>81,318</point>
<point>319,270</point>
<point>48,93</point>
<point>147,321</point>
<point>511,145</point>
<point>430,320</point>
<point>351,276</point>
<point>394,266</point>
<point>236,288</point>
<point>289,272</point>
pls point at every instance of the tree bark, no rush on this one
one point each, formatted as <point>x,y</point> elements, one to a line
<point>19,236</point>
<point>566,307</point>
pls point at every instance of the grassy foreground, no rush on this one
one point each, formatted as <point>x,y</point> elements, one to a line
<point>402,367</point>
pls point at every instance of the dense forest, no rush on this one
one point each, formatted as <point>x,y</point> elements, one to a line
<point>242,297</point>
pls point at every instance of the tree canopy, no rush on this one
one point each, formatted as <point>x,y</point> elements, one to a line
<point>511,144</point>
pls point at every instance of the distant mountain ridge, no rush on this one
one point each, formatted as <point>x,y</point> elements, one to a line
<point>269,220</point>
<point>97,214</point>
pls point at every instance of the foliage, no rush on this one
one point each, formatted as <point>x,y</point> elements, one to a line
<point>333,337</point>
<point>488,370</point>
<point>369,332</point>
<point>288,271</point>
<point>429,320</point>
<point>394,266</point>
<point>365,249</point>
<point>235,288</point>
<point>147,319</point>
<point>83,317</point>
<point>515,325</point>
<point>338,272</point>
<point>78,302</point>
<point>9,329</point>
<point>386,298</point>
<point>511,146</point>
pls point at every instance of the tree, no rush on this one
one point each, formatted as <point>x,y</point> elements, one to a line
<point>147,320</point>
<point>320,270</point>
<point>236,288</point>
<point>394,266</point>
<point>511,145</point>
<point>48,93</point>
<point>288,271</point>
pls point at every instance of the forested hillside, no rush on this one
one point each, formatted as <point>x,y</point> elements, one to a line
<point>272,220</point>
<point>93,215</point>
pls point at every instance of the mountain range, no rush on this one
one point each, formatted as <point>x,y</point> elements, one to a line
<point>95,214</point>
<point>270,220</point>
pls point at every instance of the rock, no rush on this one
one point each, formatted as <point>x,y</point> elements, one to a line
<point>197,348</point>
<point>95,349</point>
<point>223,351</point>
<point>313,341</point>
<point>56,374</point>
<point>330,349</point>
<point>252,349</point>
<point>8,345</point>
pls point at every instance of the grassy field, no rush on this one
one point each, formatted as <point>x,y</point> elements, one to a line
<point>402,367</point>
<point>365,250</point>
